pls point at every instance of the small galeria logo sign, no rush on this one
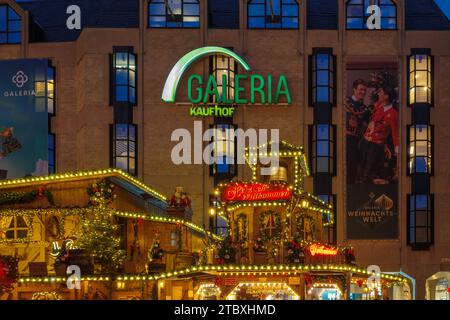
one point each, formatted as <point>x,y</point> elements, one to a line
<point>212,97</point>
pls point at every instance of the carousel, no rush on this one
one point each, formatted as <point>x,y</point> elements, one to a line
<point>274,248</point>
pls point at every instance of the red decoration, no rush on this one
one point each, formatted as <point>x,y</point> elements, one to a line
<point>256,191</point>
<point>41,191</point>
<point>360,283</point>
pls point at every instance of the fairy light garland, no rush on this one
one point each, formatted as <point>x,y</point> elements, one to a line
<point>83,175</point>
<point>227,269</point>
<point>64,213</point>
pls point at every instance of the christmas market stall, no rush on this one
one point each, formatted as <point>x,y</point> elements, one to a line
<point>274,248</point>
<point>105,222</point>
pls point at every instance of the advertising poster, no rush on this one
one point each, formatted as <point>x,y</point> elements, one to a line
<point>23,118</point>
<point>372,146</point>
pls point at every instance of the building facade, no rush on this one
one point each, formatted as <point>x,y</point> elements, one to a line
<point>109,77</point>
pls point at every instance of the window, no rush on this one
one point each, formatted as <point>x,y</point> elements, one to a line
<point>223,14</point>
<point>174,14</point>
<point>123,148</point>
<point>224,150</point>
<point>10,26</point>
<point>124,78</point>
<point>420,149</point>
<point>323,148</point>
<point>50,90</point>
<point>420,219</point>
<point>322,77</point>
<point>272,14</point>
<point>224,66</point>
<point>18,228</point>
<point>329,232</point>
<point>420,79</point>
<point>357,14</point>
<point>51,154</point>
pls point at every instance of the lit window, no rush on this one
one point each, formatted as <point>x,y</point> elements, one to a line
<point>224,152</point>
<point>124,78</point>
<point>420,144</point>
<point>10,26</point>
<point>329,232</point>
<point>420,219</point>
<point>357,13</point>
<point>124,147</point>
<point>272,14</point>
<point>17,228</point>
<point>51,90</point>
<point>420,78</point>
<point>224,66</point>
<point>174,14</point>
<point>322,74</point>
<point>323,148</point>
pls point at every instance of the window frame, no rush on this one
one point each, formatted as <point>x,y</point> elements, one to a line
<point>313,77</point>
<point>168,14</point>
<point>365,15</point>
<point>330,231</point>
<point>113,151</point>
<point>113,77</point>
<point>313,154</point>
<point>7,32</point>
<point>430,149</point>
<point>15,229</point>
<point>265,27</point>
<point>429,211</point>
<point>411,74</point>
<point>232,168</point>
<point>214,70</point>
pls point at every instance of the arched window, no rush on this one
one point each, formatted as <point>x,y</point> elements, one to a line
<point>357,13</point>
<point>272,14</point>
<point>10,25</point>
<point>174,14</point>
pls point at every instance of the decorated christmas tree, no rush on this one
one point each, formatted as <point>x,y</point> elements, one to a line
<point>99,231</point>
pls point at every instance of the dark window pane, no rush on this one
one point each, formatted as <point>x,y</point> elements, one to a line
<point>290,22</point>
<point>322,164</point>
<point>290,11</point>
<point>355,23</point>
<point>121,131</point>
<point>323,132</point>
<point>322,148</point>
<point>354,11</point>
<point>191,9</point>
<point>388,23</point>
<point>14,26</point>
<point>21,234</point>
<point>3,38</point>
<point>322,78</point>
<point>421,165</point>
<point>122,93</point>
<point>256,22</point>
<point>20,222</point>
<point>12,14</point>
<point>122,76</point>
<point>388,11</point>
<point>421,202</point>
<point>157,9</point>
<point>256,10</point>
<point>132,95</point>
<point>14,38</point>
<point>322,94</point>
<point>2,18</point>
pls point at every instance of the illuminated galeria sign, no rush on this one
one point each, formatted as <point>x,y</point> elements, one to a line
<point>255,192</point>
<point>322,250</point>
<point>206,95</point>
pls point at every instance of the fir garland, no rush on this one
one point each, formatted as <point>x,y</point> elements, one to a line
<point>17,197</point>
<point>8,273</point>
<point>276,233</point>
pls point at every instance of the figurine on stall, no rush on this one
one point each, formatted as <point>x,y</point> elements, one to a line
<point>180,198</point>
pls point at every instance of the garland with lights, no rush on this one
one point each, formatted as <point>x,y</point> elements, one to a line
<point>17,197</point>
<point>272,217</point>
<point>101,192</point>
<point>259,246</point>
<point>46,296</point>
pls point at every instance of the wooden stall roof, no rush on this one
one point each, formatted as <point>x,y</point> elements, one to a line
<point>116,175</point>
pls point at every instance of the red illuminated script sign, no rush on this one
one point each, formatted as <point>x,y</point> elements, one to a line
<point>317,249</point>
<point>255,192</point>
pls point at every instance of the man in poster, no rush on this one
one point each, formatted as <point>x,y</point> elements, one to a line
<point>381,131</point>
<point>357,116</point>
